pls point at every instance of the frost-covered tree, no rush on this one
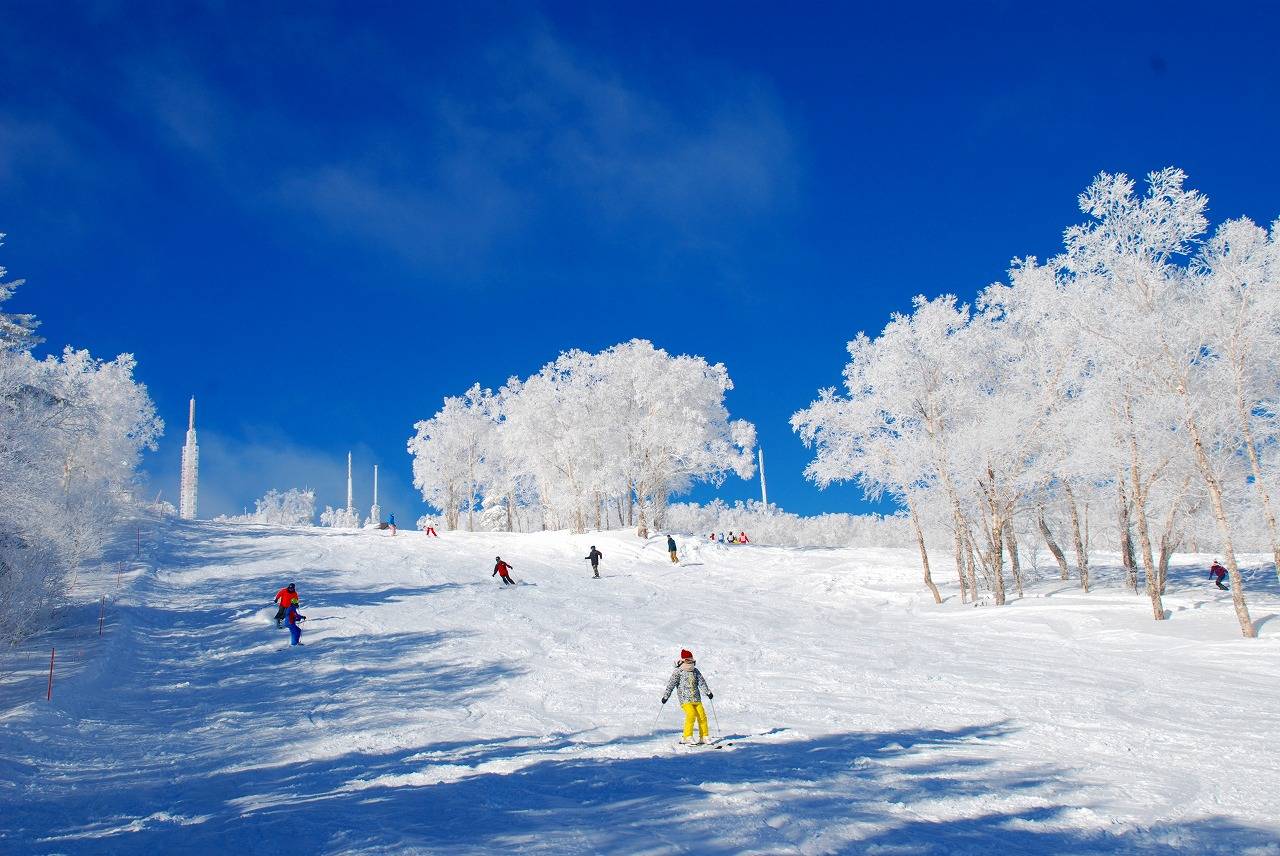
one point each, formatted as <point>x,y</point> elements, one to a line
<point>1130,372</point>
<point>1238,271</point>
<point>449,454</point>
<point>587,436</point>
<point>72,430</point>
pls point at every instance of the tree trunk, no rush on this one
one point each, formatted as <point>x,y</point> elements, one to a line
<point>994,533</point>
<point>959,551</point>
<point>1258,482</point>
<point>642,528</point>
<point>1053,546</point>
<point>1015,563</point>
<point>471,491</point>
<point>996,540</point>
<point>1220,515</point>
<point>1140,511</point>
<point>958,521</point>
<point>451,512</point>
<point>970,570</point>
<point>1082,555</point>
<point>924,554</point>
<point>1127,559</point>
<point>1168,543</point>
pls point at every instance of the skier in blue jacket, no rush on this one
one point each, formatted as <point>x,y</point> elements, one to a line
<point>291,620</point>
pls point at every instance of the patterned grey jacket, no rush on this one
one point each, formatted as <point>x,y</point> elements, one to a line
<point>687,680</point>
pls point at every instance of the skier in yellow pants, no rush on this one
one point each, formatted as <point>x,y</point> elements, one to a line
<point>688,681</point>
<point>692,711</point>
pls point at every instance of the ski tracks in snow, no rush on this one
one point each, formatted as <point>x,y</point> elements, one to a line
<point>431,710</point>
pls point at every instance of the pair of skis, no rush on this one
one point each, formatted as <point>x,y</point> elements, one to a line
<point>714,743</point>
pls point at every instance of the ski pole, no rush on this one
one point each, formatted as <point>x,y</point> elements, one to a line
<point>714,716</point>
<point>657,717</point>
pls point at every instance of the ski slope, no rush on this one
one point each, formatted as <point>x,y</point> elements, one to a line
<point>432,711</point>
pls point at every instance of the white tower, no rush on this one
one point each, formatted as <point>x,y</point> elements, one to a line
<point>190,469</point>
<point>351,503</point>
<point>375,513</point>
<point>764,489</point>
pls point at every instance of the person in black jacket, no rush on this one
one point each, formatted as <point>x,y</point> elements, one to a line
<point>594,558</point>
<point>671,548</point>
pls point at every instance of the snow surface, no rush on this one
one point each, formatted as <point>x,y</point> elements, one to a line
<point>430,710</point>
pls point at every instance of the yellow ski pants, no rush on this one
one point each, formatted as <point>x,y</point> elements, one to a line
<point>692,710</point>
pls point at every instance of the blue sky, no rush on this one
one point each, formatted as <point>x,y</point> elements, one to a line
<point>321,219</point>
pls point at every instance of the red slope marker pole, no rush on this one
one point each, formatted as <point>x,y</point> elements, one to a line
<point>49,695</point>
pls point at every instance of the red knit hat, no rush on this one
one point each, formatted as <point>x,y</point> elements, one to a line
<point>686,654</point>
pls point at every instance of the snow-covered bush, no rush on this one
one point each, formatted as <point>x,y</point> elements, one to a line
<point>340,518</point>
<point>294,507</point>
<point>72,430</point>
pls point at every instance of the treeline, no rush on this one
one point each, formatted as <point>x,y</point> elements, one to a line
<point>1130,378</point>
<point>591,440</point>
<point>72,430</point>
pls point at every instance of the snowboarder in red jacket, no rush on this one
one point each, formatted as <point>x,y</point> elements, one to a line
<point>502,569</point>
<point>1218,572</point>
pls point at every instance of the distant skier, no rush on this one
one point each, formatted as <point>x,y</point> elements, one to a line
<point>431,530</point>
<point>502,569</point>
<point>1218,572</point>
<point>292,618</point>
<point>594,558</point>
<point>742,538</point>
<point>689,684</point>
<point>286,597</point>
<point>391,521</point>
<point>671,548</point>
<point>733,539</point>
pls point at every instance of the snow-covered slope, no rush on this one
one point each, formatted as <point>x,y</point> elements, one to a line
<point>430,710</point>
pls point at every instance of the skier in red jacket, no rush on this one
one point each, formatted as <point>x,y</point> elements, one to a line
<point>502,569</point>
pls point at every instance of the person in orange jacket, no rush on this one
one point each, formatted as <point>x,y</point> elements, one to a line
<point>286,597</point>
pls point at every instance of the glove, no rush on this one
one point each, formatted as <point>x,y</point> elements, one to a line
<point>664,699</point>
<point>709,695</point>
